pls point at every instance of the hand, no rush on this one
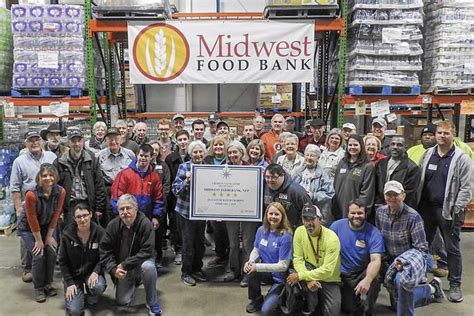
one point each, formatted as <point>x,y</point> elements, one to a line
<point>155,223</point>
<point>250,267</point>
<point>50,241</point>
<point>98,215</point>
<point>93,279</point>
<point>398,265</point>
<point>363,287</point>
<point>38,248</point>
<point>71,291</point>
<point>188,177</point>
<point>293,278</point>
<point>120,273</point>
<point>313,286</point>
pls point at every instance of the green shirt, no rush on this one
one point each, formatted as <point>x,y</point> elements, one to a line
<point>329,260</point>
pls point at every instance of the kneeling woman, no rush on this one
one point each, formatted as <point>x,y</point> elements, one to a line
<point>79,261</point>
<point>269,260</point>
<point>43,207</point>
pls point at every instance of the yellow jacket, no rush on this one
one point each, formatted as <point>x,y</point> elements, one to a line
<point>328,266</point>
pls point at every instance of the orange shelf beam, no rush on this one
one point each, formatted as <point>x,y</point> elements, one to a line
<point>41,115</point>
<point>81,101</point>
<point>330,25</point>
<point>416,99</point>
<point>106,26</point>
<point>404,113</point>
<point>205,114</point>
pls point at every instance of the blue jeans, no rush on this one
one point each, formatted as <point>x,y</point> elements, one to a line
<point>272,299</point>
<point>408,300</point>
<point>76,305</point>
<point>42,266</point>
<point>125,288</point>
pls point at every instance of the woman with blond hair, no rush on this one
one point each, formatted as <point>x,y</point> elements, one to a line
<point>256,152</point>
<point>269,260</point>
<point>96,143</point>
<point>372,148</point>
<point>334,153</point>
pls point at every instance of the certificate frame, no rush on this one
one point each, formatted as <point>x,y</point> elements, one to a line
<point>227,193</point>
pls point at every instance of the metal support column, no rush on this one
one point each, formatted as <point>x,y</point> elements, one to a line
<point>121,63</point>
<point>90,63</point>
<point>109,75</point>
<point>342,64</point>
<point>468,129</point>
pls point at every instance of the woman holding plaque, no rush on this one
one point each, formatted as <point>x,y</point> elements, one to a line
<point>237,156</point>
<point>269,260</point>
<point>256,151</point>
<point>192,232</point>
<point>217,156</point>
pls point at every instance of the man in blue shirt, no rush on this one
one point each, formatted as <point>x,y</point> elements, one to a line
<point>362,247</point>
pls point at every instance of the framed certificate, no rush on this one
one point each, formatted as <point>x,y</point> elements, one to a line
<point>231,193</point>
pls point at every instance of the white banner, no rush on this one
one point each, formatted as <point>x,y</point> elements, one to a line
<point>220,52</point>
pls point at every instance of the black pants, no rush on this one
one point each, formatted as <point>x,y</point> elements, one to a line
<point>192,244</point>
<point>221,239</point>
<point>159,234</point>
<point>351,303</point>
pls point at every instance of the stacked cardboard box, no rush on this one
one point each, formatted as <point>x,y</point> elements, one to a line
<point>275,97</point>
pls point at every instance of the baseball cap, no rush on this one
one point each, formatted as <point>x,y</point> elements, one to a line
<point>307,123</point>
<point>74,132</point>
<point>178,116</point>
<point>380,120</point>
<point>290,118</point>
<point>393,186</point>
<point>222,122</point>
<point>32,133</point>
<point>349,126</point>
<point>212,117</point>
<point>112,131</point>
<point>430,128</point>
<point>317,122</point>
<point>311,211</point>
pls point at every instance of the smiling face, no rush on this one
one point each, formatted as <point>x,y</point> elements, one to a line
<point>353,147</point>
<point>47,179</point>
<point>259,123</point>
<point>317,132</point>
<point>255,152</point>
<point>198,131</point>
<point>356,216</point>
<point>334,142</point>
<point>156,151</point>
<point>34,145</point>
<point>114,142</point>
<point>76,145</point>
<point>277,123</point>
<point>428,140</point>
<point>178,124</point>
<point>163,131</point>
<point>53,139</point>
<point>223,130</point>
<point>378,130</point>
<point>274,181</point>
<point>100,132</point>
<point>397,147</point>
<point>371,147</point>
<point>444,136</point>
<point>218,149</point>
<point>394,200</point>
<point>141,131</point>
<point>183,142</point>
<point>197,155</point>
<point>291,146</point>
<point>143,160</point>
<point>311,159</point>
<point>235,155</point>
<point>249,132</point>
<point>274,217</point>
<point>82,217</point>
<point>123,128</point>
<point>312,225</point>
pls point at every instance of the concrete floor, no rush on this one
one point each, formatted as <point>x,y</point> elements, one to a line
<point>210,298</point>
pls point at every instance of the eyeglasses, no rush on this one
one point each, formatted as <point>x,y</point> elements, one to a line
<point>80,217</point>
<point>272,177</point>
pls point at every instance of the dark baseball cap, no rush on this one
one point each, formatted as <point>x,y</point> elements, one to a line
<point>74,132</point>
<point>311,211</point>
<point>222,123</point>
<point>112,131</point>
<point>317,122</point>
<point>212,117</point>
<point>32,133</point>
<point>430,128</point>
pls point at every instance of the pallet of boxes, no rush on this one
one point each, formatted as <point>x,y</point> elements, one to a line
<point>275,98</point>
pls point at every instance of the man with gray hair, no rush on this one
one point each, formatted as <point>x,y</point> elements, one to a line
<point>272,145</point>
<point>127,142</point>
<point>140,132</point>
<point>127,253</point>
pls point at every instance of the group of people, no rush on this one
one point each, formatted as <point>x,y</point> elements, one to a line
<point>343,214</point>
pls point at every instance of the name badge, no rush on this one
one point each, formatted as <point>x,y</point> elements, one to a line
<point>95,245</point>
<point>159,167</point>
<point>360,244</point>
<point>264,242</point>
<point>343,171</point>
<point>432,167</point>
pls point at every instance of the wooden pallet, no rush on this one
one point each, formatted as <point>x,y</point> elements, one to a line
<point>383,90</point>
<point>7,230</point>
<point>467,91</point>
<point>47,92</point>
<point>131,13</point>
<point>301,12</point>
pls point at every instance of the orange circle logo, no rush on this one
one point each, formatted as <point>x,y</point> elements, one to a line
<point>161,52</point>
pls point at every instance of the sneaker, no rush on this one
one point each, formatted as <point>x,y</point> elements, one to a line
<point>230,276</point>
<point>440,272</point>
<point>40,296</point>
<point>200,276</point>
<point>254,306</point>
<point>50,290</point>
<point>178,259</point>
<point>92,299</point>
<point>438,295</point>
<point>26,276</point>
<point>455,294</point>
<point>155,309</point>
<point>188,280</point>
<point>245,281</point>
<point>215,261</point>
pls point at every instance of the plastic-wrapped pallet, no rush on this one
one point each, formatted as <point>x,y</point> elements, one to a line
<point>49,46</point>
<point>6,50</point>
<point>384,48</point>
<point>449,45</point>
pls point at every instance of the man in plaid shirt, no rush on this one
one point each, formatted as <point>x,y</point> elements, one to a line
<point>403,233</point>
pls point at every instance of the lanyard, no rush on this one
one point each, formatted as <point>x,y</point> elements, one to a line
<point>316,252</point>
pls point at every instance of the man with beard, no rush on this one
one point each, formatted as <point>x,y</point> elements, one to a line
<point>52,136</point>
<point>23,178</point>
<point>362,248</point>
<point>317,261</point>
<point>400,168</point>
<point>80,175</point>
<point>428,140</point>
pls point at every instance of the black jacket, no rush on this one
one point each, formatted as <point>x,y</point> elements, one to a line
<point>173,161</point>
<point>407,173</point>
<point>141,246</point>
<point>96,197</point>
<point>292,196</point>
<point>76,261</point>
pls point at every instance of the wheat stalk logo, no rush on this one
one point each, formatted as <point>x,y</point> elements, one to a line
<point>160,52</point>
<point>157,65</point>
